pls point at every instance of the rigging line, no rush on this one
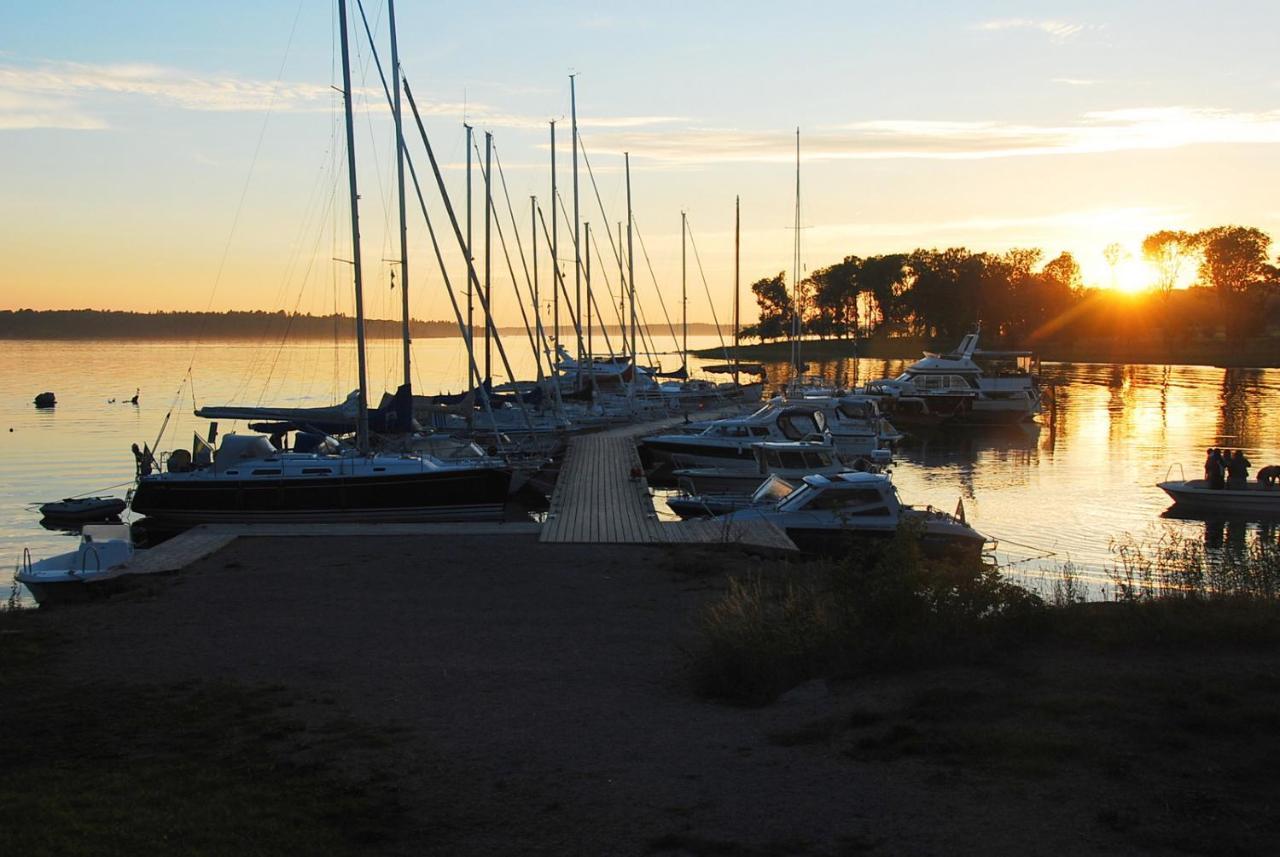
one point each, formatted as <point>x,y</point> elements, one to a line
<point>706,287</point>
<point>581,255</point>
<point>457,234</point>
<point>617,312</point>
<point>511,271</point>
<point>671,327</point>
<point>515,230</point>
<point>558,276</point>
<point>306,275</point>
<point>244,191</point>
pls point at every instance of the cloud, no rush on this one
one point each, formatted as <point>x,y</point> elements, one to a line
<point>65,94</point>
<point>1140,128</point>
<point>1057,30</point>
<point>1075,81</point>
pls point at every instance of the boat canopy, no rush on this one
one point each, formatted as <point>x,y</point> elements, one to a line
<point>235,448</point>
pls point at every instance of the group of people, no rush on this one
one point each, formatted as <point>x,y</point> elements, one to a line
<point>1223,468</point>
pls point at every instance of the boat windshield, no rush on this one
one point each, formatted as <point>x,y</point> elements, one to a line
<point>772,490</point>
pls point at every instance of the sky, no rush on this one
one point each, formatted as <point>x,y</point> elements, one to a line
<point>162,156</point>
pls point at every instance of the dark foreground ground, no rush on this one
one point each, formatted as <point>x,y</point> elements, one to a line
<point>483,696</point>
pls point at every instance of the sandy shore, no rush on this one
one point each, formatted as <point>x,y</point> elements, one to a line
<point>537,703</point>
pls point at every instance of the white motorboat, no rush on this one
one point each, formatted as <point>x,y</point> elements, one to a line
<point>790,460</point>
<point>104,549</point>
<point>966,386</point>
<point>766,493</point>
<point>855,422</point>
<point>730,442</point>
<point>1249,497</point>
<point>829,514</point>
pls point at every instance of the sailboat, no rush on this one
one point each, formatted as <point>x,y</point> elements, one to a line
<point>248,479</point>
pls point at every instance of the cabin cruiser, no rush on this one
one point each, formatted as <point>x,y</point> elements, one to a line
<point>766,493</point>
<point>103,551</point>
<point>855,422</point>
<point>790,460</point>
<point>827,514</point>
<point>730,442</point>
<point>967,386</point>
<point>1248,497</point>
<point>250,480</point>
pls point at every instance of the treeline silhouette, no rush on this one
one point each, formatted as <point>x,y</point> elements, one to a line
<point>113,324</point>
<point>259,325</point>
<point>1018,297</point>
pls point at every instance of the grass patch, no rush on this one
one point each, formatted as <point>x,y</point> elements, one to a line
<point>782,624</point>
<point>207,769</point>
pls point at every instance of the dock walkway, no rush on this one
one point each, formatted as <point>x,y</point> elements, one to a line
<point>602,497</point>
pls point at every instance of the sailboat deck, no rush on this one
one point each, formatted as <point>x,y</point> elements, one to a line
<point>601,498</point>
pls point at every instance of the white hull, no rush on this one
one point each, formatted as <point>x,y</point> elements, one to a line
<point>1196,494</point>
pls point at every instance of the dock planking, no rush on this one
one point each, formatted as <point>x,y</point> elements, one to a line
<point>597,500</point>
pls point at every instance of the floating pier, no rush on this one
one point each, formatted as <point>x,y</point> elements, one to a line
<point>602,497</point>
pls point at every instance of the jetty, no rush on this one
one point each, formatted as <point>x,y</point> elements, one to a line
<point>602,497</point>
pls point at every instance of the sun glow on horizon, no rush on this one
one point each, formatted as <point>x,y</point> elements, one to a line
<point>1132,275</point>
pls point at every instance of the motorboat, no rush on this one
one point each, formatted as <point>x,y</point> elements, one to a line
<point>81,510</point>
<point>766,493</point>
<point>855,422</point>
<point>791,460</point>
<point>967,385</point>
<point>103,551</point>
<point>730,442</point>
<point>1247,497</point>
<point>828,515</point>
<point>250,480</point>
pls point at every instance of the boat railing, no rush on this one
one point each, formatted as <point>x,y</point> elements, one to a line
<point>1169,471</point>
<point>85,552</point>
<point>26,561</point>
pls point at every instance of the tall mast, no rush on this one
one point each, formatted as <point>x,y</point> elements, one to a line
<point>555,250</point>
<point>737,287</point>
<point>577,253</point>
<point>684,291</point>
<point>631,275</point>
<point>586,236</point>
<point>471,256</point>
<point>537,309</point>
<point>622,290</point>
<point>362,421</point>
<point>404,226</point>
<point>488,281</point>
<point>795,273</point>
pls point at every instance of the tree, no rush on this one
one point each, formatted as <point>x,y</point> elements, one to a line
<point>1114,253</point>
<point>1236,266</point>
<point>1168,251</point>
<point>775,307</point>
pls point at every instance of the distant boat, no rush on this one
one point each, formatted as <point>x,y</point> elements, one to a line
<point>1195,494</point>
<point>46,400</point>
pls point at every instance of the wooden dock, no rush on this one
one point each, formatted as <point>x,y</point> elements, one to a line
<point>178,552</point>
<point>602,497</point>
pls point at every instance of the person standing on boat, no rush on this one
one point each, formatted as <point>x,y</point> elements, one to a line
<point>1238,470</point>
<point>1213,469</point>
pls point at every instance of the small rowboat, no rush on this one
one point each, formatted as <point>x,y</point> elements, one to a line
<point>83,509</point>
<point>1249,497</point>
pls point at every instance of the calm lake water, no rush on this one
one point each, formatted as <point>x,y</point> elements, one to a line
<point>1053,492</point>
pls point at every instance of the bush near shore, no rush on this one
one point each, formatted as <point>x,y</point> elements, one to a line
<point>893,608</point>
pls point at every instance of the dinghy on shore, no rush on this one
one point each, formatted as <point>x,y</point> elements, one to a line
<point>77,575</point>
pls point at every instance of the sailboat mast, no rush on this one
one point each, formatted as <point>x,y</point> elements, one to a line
<point>737,286</point>
<point>577,253</point>
<point>795,272</point>
<point>537,309</point>
<point>404,226</point>
<point>631,275</point>
<point>586,236</point>
<point>555,250</point>
<point>362,421</point>
<point>488,281</point>
<point>684,291</point>
<point>471,317</point>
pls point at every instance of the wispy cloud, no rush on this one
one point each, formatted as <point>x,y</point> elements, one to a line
<point>66,94</point>
<point>1075,81</point>
<point>888,139</point>
<point>1055,29</point>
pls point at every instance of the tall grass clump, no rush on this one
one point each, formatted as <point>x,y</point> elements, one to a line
<point>884,605</point>
<point>1177,566</point>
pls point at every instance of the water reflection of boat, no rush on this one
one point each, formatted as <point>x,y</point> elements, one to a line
<point>1196,495</point>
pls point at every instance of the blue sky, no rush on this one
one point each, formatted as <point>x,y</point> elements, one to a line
<point>130,131</point>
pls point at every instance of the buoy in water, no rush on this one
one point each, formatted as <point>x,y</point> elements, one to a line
<point>46,400</point>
